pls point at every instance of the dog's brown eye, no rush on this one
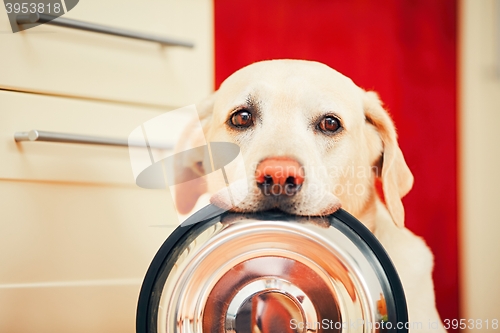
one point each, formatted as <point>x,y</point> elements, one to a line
<point>242,118</point>
<point>329,124</point>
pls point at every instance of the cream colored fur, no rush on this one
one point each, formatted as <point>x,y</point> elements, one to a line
<point>290,96</point>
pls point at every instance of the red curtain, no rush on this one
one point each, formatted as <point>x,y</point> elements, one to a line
<point>404,50</point>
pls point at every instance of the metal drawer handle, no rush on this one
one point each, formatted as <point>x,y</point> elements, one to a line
<point>80,25</point>
<point>35,135</point>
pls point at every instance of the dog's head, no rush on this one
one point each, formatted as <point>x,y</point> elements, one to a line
<point>310,140</point>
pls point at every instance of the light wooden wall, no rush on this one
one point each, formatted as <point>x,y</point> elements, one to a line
<point>479,100</point>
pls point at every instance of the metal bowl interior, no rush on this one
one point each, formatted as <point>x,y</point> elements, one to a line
<point>271,272</point>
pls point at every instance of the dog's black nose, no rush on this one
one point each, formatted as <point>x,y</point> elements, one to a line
<point>279,176</point>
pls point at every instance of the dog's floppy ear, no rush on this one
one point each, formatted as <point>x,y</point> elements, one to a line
<point>396,177</point>
<point>191,154</point>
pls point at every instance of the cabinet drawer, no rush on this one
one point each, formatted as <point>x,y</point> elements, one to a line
<point>74,256</point>
<point>67,232</point>
<point>57,60</point>
<point>49,161</point>
<point>84,309</point>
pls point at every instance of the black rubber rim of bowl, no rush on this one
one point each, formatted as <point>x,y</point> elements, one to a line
<point>146,314</point>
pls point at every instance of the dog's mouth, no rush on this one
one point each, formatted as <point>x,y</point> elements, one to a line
<point>241,198</point>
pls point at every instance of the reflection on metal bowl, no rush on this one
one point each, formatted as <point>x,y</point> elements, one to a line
<point>269,273</point>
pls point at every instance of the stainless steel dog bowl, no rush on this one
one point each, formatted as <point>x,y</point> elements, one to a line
<point>271,273</point>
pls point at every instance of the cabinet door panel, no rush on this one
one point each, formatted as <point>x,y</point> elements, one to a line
<point>57,60</point>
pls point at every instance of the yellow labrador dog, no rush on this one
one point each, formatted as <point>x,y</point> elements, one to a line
<point>312,140</point>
